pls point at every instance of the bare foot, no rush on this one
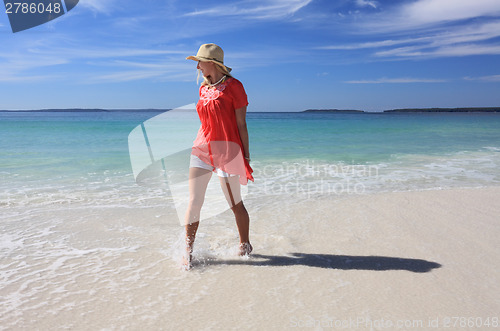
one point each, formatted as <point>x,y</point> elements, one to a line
<point>187,256</point>
<point>185,263</point>
<point>245,249</point>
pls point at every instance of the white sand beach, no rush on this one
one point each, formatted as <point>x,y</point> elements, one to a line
<point>405,260</point>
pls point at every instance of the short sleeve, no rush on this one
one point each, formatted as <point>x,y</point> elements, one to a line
<point>238,94</point>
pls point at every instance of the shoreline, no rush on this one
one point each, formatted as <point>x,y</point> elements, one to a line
<point>396,256</point>
<point>490,110</point>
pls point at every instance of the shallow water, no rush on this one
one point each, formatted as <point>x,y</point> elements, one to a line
<point>82,243</point>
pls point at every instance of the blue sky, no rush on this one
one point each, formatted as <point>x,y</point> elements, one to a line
<point>291,55</point>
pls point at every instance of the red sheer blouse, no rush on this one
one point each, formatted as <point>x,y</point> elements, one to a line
<point>218,142</point>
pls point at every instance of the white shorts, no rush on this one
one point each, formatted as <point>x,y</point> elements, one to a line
<point>196,162</point>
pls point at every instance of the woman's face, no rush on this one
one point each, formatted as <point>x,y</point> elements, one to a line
<point>207,68</point>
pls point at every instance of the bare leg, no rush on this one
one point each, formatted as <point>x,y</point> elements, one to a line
<point>243,224</point>
<point>231,188</point>
<point>198,181</point>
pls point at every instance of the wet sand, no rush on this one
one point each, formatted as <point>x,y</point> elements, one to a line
<point>419,260</point>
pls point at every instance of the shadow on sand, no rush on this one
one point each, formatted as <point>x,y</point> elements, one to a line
<point>329,261</point>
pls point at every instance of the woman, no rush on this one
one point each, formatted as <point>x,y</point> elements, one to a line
<point>221,145</point>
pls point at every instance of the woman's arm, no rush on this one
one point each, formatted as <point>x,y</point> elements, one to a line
<point>241,114</point>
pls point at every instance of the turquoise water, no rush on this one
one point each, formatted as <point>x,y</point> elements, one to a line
<point>67,155</point>
<point>78,234</point>
<point>48,144</point>
<point>362,138</point>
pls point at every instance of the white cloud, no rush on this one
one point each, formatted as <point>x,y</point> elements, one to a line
<point>386,80</point>
<point>115,52</point>
<point>472,39</point>
<point>263,9</point>
<point>16,67</point>
<point>449,36</point>
<point>125,71</point>
<point>492,78</point>
<point>367,3</point>
<point>430,13</point>
<point>15,78</point>
<point>100,6</point>
<point>374,44</point>
<point>445,51</point>
<point>123,76</point>
<point>113,64</point>
<point>133,75</point>
<point>469,33</point>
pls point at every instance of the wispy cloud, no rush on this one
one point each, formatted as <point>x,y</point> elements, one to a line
<point>261,9</point>
<point>102,52</point>
<point>367,3</point>
<point>125,76</point>
<point>492,78</point>
<point>94,64</point>
<point>374,44</point>
<point>449,36</point>
<point>17,67</point>
<point>463,41</point>
<point>386,80</point>
<point>126,71</point>
<point>444,51</point>
<point>451,41</point>
<point>98,6</point>
<point>16,78</point>
<point>429,13</point>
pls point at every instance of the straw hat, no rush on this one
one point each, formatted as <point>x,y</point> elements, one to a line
<point>211,53</point>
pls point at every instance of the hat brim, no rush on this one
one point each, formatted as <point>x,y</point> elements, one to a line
<point>195,58</point>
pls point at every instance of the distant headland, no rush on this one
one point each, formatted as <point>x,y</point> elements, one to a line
<point>446,110</point>
<point>85,110</point>
<point>412,110</point>
<point>332,111</point>
<point>314,111</point>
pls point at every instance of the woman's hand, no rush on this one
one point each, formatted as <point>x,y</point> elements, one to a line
<point>241,114</point>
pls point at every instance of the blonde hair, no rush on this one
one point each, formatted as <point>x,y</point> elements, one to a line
<point>205,80</point>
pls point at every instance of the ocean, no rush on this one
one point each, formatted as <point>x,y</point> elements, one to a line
<point>61,157</point>
<point>78,233</point>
